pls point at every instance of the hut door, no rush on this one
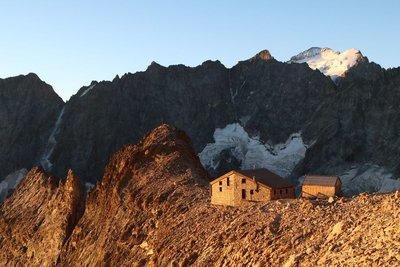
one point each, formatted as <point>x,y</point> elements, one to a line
<point>243,193</point>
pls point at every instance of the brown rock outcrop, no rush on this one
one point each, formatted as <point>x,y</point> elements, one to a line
<point>38,218</point>
<point>145,189</point>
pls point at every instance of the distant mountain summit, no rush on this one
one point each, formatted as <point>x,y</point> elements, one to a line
<point>329,62</point>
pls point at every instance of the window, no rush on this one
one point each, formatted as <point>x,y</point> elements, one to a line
<point>220,189</point>
<point>243,193</point>
<point>274,191</point>
<point>227,181</point>
<point>287,191</point>
<point>243,181</point>
<point>251,192</point>
<point>220,182</point>
<point>280,191</point>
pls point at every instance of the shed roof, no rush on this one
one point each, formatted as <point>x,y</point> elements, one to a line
<point>267,178</point>
<point>320,180</point>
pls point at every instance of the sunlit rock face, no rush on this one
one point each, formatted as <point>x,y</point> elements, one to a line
<point>133,213</point>
<point>37,219</point>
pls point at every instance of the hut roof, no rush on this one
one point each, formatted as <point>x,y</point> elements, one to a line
<point>320,180</point>
<point>267,178</point>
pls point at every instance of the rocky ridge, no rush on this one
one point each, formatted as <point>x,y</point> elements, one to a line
<point>152,209</point>
<point>38,218</point>
<point>346,128</point>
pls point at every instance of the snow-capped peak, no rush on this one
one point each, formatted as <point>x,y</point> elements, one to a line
<point>329,62</point>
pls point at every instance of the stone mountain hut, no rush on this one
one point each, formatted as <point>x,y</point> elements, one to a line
<point>237,188</point>
<point>320,186</point>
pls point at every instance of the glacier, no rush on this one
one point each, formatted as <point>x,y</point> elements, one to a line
<point>252,153</point>
<point>89,187</point>
<point>10,182</point>
<point>368,178</point>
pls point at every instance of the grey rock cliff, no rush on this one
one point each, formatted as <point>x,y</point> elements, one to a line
<point>359,124</point>
<point>199,100</point>
<point>28,110</point>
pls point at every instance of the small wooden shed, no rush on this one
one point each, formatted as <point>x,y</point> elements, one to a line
<point>241,187</point>
<point>317,186</point>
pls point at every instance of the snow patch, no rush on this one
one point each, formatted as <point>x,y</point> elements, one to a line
<point>51,144</point>
<point>88,89</point>
<point>8,184</point>
<point>89,187</point>
<point>234,94</point>
<point>368,178</point>
<point>245,119</point>
<point>329,62</point>
<point>251,152</point>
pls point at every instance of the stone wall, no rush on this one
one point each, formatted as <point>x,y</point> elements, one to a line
<point>260,193</point>
<point>221,193</point>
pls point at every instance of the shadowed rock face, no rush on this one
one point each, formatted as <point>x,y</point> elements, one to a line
<point>152,209</point>
<point>38,218</point>
<point>359,125</point>
<point>353,122</point>
<point>199,100</point>
<point>28,110</point>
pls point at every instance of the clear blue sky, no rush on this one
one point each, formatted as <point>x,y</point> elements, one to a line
<point>70,43</point>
